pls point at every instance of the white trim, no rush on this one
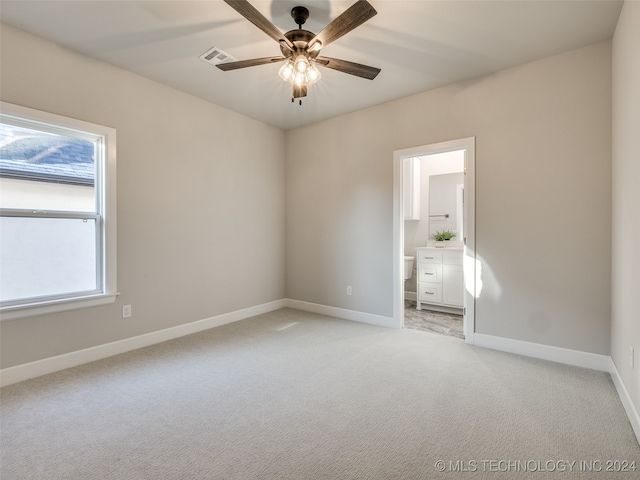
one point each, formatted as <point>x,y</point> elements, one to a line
<point>55,306</point>
<point>567,356</point>
<point>107,209</point>
<point>398,241</point>
<point>343,313</point>
<point>442,309</point>
<point>625,398</point>
<point>410,295</point>
<point>45,366</point>
<point>26,371</point>
<point>467,144</point>
<point>470,235</point>
<point>594,361</point>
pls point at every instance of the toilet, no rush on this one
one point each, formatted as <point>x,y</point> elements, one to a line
<point>408,267</point>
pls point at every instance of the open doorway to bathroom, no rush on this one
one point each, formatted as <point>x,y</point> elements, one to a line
<point>434,238</point>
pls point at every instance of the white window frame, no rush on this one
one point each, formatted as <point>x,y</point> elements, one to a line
<point>106,211</point>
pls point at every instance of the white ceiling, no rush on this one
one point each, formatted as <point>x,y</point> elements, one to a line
<point>418,44</point>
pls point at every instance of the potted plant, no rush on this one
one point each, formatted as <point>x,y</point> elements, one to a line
<point>442,236</point>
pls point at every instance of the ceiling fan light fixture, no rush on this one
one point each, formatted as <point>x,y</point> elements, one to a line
<point>301,71</point>
<point>287,71</point>
<point>301,64</point>
<point>301,48</point>
<point>300,79</point>
<point>313,73</point>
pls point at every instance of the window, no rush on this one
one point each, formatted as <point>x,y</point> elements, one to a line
<point>57,213</point>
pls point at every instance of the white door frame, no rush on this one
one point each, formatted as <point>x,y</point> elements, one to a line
<point>469,146</point>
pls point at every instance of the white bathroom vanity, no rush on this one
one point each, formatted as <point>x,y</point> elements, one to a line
<point>440,278</point>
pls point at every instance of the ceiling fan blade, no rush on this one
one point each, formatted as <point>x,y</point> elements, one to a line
<point>351,68</point>
<point>352,17</point>
<point>248,63</point>
<point>249,12</point>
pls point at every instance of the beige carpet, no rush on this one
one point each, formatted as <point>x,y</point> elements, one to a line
<point>293,395</point>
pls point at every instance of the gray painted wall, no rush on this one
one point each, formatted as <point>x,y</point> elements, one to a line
<point>200,208</point>
<point>543,202</point>
<point>202,212</point>
<point>625,285</point>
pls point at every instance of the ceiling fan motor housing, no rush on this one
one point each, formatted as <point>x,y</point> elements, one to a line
<point>300,39</point>
<point>301,48</point>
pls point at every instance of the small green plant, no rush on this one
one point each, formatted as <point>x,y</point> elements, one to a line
<point>443,235</point>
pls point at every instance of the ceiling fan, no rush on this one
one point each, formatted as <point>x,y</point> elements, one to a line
<point>301,48</point>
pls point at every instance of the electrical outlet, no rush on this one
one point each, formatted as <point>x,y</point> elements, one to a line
<point>126,311</point>
<point>348,289</point>
<point>631,357</point>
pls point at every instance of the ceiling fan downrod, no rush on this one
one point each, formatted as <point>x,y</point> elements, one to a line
<point>299,15</point>
<point>300,48</point>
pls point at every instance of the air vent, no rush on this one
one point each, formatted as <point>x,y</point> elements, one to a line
<point>214,56</point>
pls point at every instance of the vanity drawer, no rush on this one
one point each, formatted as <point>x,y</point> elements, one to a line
<point>429,293</point>
<point>430,273</point>
<point>430,256</point>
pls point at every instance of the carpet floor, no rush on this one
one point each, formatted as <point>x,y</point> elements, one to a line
<point>296,395</point>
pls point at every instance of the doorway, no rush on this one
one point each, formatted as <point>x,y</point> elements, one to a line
<point>464,216</point>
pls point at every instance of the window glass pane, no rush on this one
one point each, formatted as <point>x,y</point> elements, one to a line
<point>46,171</point>
<point>46,256</point>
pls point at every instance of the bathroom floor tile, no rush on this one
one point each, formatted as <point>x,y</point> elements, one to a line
<point>434,322</point>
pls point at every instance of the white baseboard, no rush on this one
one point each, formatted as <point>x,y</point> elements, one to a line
<point>567,356</point>
<point>625,398</point>
<point>594,361</point>
<point>410,295</point>
<point>370,318</point>
<point>45,366</point>
<point>26,371</point>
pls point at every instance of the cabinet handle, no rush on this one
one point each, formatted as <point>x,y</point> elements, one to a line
<point>429,293</point>
<point>427,273</point>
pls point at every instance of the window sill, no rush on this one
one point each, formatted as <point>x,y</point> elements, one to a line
<point>55,306</point>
